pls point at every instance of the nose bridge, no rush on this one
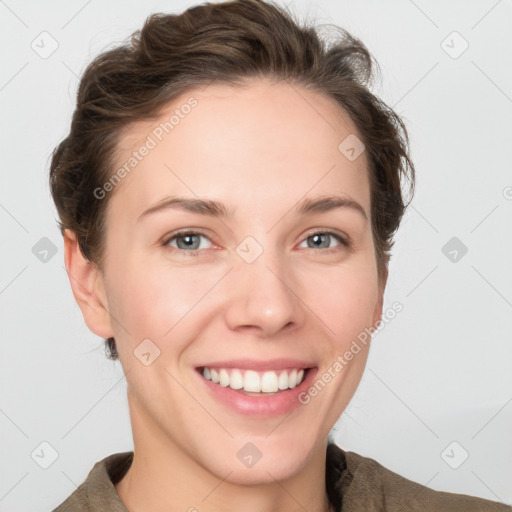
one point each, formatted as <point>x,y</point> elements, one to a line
<point>261,290</point>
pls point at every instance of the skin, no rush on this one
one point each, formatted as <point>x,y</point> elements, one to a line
<point>259,149</point>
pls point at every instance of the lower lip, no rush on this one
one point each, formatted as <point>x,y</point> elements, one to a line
<point>266,406</point>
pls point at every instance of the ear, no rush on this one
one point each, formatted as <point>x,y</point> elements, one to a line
<point>377,313</point>
<point>88,287</point>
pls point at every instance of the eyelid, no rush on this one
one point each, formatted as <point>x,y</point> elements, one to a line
<point>343,238</point>
<point>181,232</point>
<point>330,231</point>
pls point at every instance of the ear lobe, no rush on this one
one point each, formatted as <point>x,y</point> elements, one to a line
<point>87,285</point>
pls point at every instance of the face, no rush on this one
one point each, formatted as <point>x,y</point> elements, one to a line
<point>252,294</point>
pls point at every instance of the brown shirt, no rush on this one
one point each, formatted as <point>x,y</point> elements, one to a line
<point>353,483</point>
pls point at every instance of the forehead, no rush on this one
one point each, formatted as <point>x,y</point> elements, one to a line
<point>232,142</point>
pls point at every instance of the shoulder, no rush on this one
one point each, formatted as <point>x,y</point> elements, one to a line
<point>364,484</point>
<point>97,492</point>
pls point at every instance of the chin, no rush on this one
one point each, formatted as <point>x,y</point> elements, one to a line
<point>262,461</point>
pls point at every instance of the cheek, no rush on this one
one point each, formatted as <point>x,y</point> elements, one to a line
<point>164,301</point>
<point>150,300</point>
<point>345,299</point>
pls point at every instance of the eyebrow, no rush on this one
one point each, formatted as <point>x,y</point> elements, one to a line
<point>217,209</point>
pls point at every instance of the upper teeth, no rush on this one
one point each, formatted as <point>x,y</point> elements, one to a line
<point>249,380</point>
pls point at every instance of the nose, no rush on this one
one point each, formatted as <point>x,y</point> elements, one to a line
<point>262,297</point>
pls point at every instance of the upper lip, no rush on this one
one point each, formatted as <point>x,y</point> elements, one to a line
<point>259,365</point>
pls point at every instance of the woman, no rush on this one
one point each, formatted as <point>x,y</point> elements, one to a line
<point>228,196</point>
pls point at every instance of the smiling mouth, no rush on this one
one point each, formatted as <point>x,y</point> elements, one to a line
<point>259,383</point>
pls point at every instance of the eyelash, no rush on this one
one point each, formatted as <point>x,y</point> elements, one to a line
<point>195,252</point>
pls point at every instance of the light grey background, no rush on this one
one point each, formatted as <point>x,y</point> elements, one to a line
<point>439,373</point>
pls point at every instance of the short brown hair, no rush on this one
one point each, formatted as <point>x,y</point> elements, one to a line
<point>225,43</point>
